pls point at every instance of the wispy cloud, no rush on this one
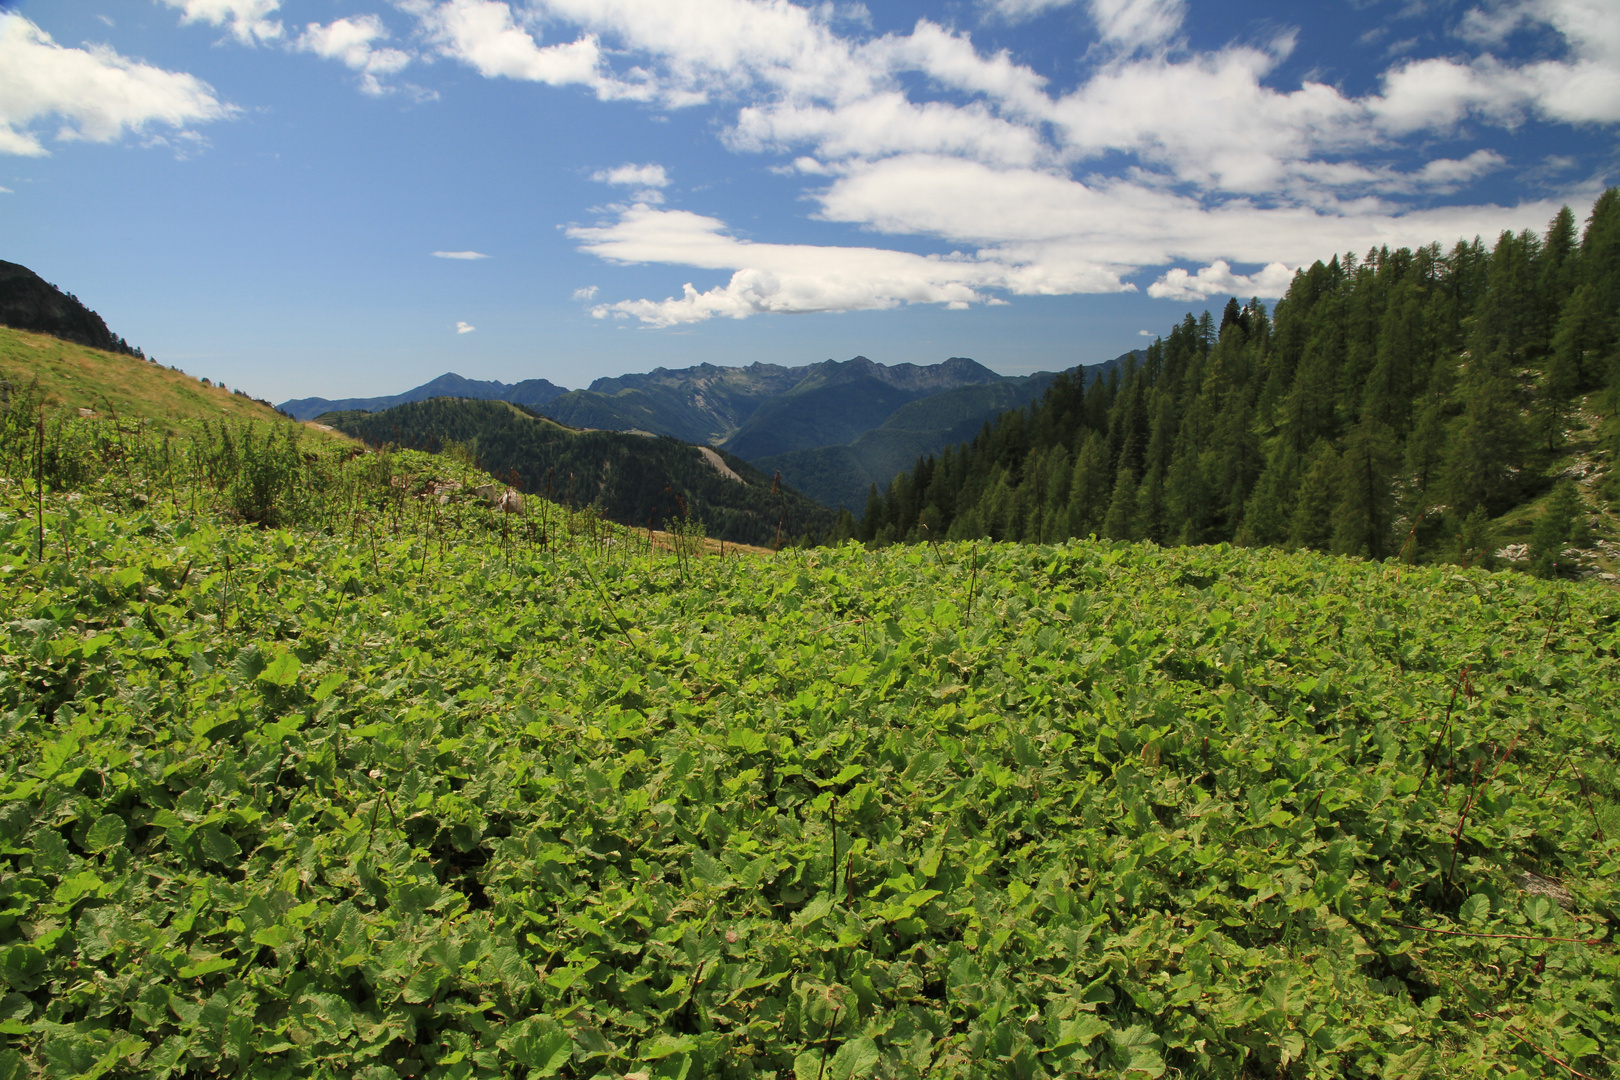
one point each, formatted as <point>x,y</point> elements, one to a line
<point>637,175</point>
<point>586,294</point>
<point>459,255</point>
<point>464,327</point>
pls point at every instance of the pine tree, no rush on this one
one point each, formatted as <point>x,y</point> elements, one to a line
<point>1089,489</point>
<point>1120,522</point>
<point>1553,530</point>
<point>1312,523</point>
<point>1270,508</point>
<point>1487,452</point>
<point>1366,510</point>
<point>1476,541</point>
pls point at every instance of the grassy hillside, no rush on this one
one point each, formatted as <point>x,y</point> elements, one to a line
<point>633,479</point>
<point>409,796</point>
<point>73,376</point>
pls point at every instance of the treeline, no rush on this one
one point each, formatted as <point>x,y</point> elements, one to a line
<point>636,480</point>
<point>1392,404</point>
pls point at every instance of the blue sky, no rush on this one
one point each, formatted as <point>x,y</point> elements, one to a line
<point>336,197</point>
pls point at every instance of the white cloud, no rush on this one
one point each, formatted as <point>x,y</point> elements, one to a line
<point>94,93</point>
<point>486,35</point>
<point>586,294</point>
<point>1136,24</point>
<point>464,327</point>
<point>1583,87</point>
<point>352,41</point>
<point>775,278</point>
<point>6,191</point>
<point>1146,334</point>
<point>640,175</point>
<point>1019,10</point>
<point>459,255</point>
<point>1212,162</point>
<point>247,20</point>
<point>1217,279</point>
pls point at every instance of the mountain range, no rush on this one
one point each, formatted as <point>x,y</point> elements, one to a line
<point>830,429</point>
<point>531,392</point>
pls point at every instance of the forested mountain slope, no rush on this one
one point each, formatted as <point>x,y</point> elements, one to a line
<point>1406,402</point>
<point>638,480</point>
<point>29,302</point>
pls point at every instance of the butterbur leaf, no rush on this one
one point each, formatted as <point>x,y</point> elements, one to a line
<point>539,1043</point>
<point>333,680</point>
<point>281,671</point>
<point>206,967</point>
<point>672,1068</point>
<point>663,1046</point>
<point>749,742</point>
<point>217,846</point>
<point>1080,1031</point>
<point>105,834</point>
<point>1475,909</point>
<point>855,1058</point>
<point>807,1066</point>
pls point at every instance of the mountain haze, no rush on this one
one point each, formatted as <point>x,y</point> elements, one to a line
<point>531,392</point>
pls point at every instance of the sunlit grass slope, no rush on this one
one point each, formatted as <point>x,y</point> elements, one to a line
<point>73,376</point>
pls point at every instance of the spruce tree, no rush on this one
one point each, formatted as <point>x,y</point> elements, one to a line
<point>1553,531</point>
<point>1312,522</point>
<point>1270,509</point>
<point>1120,522</point>
<point>1476,541</point>
<point>1366,511</point>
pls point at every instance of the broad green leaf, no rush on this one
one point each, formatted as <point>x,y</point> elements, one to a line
<point>282,670</point>
<point>217,846</point>
<point>1475,909</point>
<point>106,833</point>
<point>206,967</point>
<point>858,1057</point>
<point>540,1044</point>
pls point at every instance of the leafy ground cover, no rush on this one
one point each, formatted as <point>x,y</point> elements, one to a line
<point>410,790</point>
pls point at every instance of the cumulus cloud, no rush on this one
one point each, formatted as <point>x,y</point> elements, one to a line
<point>1210,162</point>
<point>464,327</point>
<point>353,42</point>
<point>459,255</point>
<point>93,93</point>
<point>585,295</point>
<point>775,278</point>
<point>1581,87</point>
<point>247,20</point>
<point>1217,279</point>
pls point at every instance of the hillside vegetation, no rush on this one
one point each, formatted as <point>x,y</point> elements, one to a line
<point>71,376</point>
<point>406,786</point>
<point>637,480</point>
<point>1421,403</point>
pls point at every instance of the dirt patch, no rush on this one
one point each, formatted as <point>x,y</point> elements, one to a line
<point>719,464</point>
